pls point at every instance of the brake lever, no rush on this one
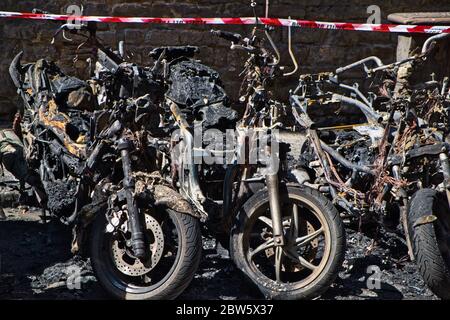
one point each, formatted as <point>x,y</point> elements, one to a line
<point>229,36</point>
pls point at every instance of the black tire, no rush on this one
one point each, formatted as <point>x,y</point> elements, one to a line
<point>430,246</point>
<point>290,291</point>
<point>172,285</point>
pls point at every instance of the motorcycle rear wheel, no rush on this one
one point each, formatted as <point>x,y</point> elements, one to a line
<point>163,278</point>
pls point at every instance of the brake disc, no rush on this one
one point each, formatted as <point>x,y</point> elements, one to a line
<point>131,266</point>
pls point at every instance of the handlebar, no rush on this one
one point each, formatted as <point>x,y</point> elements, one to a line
<point>427,46</point>
<point>251,45</point>
<point>229,36</point>
<point>376,60</point>
<point>235,39</point>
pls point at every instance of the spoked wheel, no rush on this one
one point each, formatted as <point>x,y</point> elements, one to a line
<point>314,247</point>
<point>431,239</point>
<point>174,252</point>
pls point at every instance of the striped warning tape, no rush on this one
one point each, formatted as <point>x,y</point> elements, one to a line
<point>392,28</point>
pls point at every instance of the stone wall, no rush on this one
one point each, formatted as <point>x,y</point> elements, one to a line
<point>317,50</point>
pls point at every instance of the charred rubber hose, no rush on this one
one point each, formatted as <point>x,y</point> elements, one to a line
<point>338,157</point>
<point>137,235</point>
<point>368,111</point>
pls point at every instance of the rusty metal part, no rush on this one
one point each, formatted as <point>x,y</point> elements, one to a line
<point>163,193</point>
<point>166,196</point>
<point>51,117</point>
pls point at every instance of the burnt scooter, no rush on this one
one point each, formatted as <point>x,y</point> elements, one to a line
<point>98,172</point>
<point>288,239</point>
<point>388,165</point>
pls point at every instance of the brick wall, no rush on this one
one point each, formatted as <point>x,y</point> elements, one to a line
<point>318,50</point>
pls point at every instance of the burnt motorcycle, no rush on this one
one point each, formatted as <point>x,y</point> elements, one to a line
<point>382,155</point>
<point>92,145</point>
<point>288,239</point>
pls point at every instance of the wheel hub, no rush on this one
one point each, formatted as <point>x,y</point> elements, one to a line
<point>131,266</point>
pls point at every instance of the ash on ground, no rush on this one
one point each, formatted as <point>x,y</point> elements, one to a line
<point>378,269</point>
<point>36,263</point>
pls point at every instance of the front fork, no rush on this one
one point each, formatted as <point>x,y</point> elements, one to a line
<point>275,209</point>
<point>273,188</point>
<point>137,234</point>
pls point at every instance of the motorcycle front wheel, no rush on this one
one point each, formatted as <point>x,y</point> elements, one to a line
<point>174,244</point>
<point>309,261</point>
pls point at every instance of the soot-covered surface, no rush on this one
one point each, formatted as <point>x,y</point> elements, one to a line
<point>36,264</point>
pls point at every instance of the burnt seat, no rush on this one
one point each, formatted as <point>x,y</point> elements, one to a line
<point>421,18</point>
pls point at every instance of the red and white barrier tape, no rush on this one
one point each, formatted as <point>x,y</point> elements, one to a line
<point>393,28</point>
